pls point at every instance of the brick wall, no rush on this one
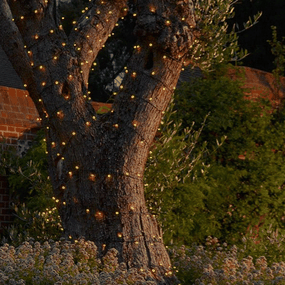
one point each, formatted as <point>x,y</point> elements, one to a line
<point>18,116</point>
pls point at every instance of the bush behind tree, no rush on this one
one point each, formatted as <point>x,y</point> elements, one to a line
<point>243,186</point>
<point>31,195</point>
<point>170,171</point>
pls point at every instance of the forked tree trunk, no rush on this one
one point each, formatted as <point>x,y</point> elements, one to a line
<point>97,163</point>
<point>101,189</point>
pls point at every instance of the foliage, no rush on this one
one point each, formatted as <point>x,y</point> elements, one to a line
<point>255,39</point>
<point>219,264</point>
<point>243,187</point>
<point>41,226</point>
<point>63,262</point>
<point>215,42</point>
<point>278,50</point>
<point>269,242</point>
<point>28,175</point>
<point>170,171</point>
<point>32,203</point>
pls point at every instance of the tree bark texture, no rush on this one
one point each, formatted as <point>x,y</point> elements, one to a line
<point>97,162</point>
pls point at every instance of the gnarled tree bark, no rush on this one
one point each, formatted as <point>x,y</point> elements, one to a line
<point>96,163</point>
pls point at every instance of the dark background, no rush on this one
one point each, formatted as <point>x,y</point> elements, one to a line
<point>255,39</point>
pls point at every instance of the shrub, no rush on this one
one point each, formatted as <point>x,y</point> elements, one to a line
<point>28,175</point>
<point>32,201</point>
<point>242,188</point>
<point>170,171</point>
<point>63,262</point>
<point>39,225</point>
<point>278,50</point>
<point>219,264</point>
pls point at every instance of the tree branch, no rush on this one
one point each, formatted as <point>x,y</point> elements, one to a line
<point>36,20</point>
<point>12,43</point>
<point>93,30</point>
<point>167,24</point>
<point>164,32</point>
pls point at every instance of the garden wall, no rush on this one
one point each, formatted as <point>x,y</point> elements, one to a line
<point>260,84</point>
<point>19,118</point>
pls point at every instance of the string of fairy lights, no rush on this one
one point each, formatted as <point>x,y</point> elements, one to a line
<point>99,215</point>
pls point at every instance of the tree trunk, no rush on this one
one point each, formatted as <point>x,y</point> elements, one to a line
<point>96,162</point>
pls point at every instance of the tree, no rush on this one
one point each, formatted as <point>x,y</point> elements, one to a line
<point>96,163</point>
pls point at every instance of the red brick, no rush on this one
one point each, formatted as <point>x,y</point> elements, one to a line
<point>3,188</point>
<point>5,198</point>
<point>4,98</point>
<point>3,121</point>
<point>4,184</point>
<point>13,121</point>
<point>13,96</point>
<point>4,115</point>
<point>3,128</point>
<point>9,134</point>
<point>3,178</point>
<point>22,101</point>
<point>9,218</point>
<point>30,102</point>
<point>20,129</point>
<point>23,109</point>
<point>6,107</point>
<point>20,116</point>
<point>6,212</point>
<point>11,129</point>
<point>15,109</point>
<point>12,141</point>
